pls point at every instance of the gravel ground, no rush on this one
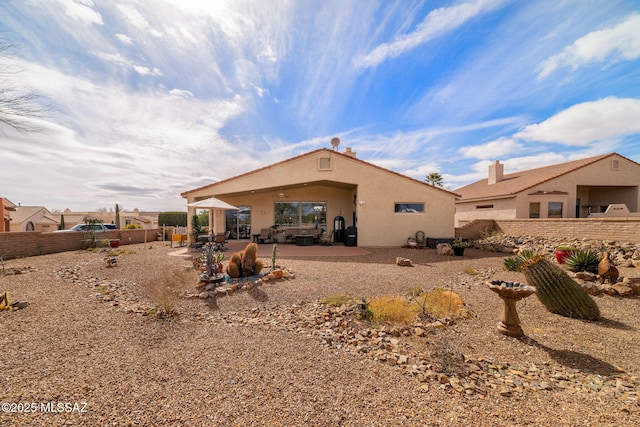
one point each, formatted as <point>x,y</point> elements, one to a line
<point>257,358</point>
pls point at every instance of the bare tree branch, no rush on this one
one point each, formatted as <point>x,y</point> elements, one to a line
<point>18,107</point>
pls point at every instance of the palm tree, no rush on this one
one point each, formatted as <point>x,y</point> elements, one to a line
<point>435,179</point>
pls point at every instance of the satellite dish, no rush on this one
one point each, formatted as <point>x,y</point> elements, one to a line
<point>335,142</point>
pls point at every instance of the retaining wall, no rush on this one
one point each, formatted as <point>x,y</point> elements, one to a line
<point>619,229</point>
<point>29,243</point>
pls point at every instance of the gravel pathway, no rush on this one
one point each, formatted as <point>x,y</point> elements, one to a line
<point>86,351</point>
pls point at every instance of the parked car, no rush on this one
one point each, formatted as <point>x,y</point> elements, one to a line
<point>88,227</point>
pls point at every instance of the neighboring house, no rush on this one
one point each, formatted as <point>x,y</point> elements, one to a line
<point>6,207</point>
<point>314,191</point>
<point>567,190</point>
<point>33,218</point>
<point>145,219</point>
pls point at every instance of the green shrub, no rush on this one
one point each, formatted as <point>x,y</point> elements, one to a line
<point>172,218</point>
<point>583,260</point>
<point>132,227</point>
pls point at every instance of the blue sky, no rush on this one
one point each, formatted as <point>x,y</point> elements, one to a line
<point>146,99</point>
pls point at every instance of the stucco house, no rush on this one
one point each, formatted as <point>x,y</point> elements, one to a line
<point>6,207</point>
<point>33,218</point>
<point>325,189</point>
<point>573,189</point>
<point>146,220</point>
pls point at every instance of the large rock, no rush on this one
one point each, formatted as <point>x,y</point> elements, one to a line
<point>622,289</point>
<point>444,249</point>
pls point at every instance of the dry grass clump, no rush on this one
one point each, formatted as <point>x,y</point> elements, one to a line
<point>337,300</point>
<point>165,287</point>
<point>393,309</point>
<point>438,303</point>
<point>445,354</point>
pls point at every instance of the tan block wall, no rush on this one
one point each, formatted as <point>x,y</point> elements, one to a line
<point>31,243</point>
<point>618,229</point>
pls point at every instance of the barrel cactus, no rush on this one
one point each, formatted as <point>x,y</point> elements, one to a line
<point>244,263</point>
<point>557,291</point>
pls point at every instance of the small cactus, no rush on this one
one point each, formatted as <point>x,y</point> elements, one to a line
<point>274,251</point>
<point>557,291</point>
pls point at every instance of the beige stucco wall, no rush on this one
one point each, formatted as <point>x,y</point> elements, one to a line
<point>348,182</point>
<point>468,211</point>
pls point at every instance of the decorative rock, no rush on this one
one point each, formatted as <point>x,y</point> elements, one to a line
<point>437,325</point>
<point>585,275</point>
<point>444,249</point>
<point>403,262</point>
<point>633,283</point>
<point>203,295</point>
<point>622,289</point>
<point>606,270</point>
<point>592,288</point>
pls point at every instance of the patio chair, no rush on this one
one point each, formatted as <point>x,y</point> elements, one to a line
<point>221,239</point>
<point>265,235</point>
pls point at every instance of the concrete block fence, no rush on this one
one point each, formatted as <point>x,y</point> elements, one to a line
<point>615,229</point>
<point>30,243</point>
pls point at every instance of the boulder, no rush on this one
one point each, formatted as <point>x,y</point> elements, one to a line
<point>444,249</point>
<point>622,289</point>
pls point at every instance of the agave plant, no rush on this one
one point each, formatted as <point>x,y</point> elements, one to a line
<point>583,260</point>
<point>514,263</point>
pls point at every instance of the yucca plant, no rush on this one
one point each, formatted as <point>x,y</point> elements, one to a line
<point>514,263</point>
<point>583,260</point>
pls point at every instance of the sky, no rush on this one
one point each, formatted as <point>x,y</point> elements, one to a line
<point>142,100</point>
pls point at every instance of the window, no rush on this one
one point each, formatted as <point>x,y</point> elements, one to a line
<point>615,164</point>
<point>484,207</point>
<point>324,163</point>
<point>304,214</point>
<point>555,210</point>
<point>534,210</point>
<point>409,208</point>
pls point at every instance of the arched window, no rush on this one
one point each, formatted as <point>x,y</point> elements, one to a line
<point>30,226</point>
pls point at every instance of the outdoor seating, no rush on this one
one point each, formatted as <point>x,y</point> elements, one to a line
<point>264,236</point>
<point>221,239</point>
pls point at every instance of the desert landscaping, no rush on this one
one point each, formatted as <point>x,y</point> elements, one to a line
<point>102,345</point>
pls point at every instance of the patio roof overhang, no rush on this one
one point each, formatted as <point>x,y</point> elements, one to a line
<point>289,187</point>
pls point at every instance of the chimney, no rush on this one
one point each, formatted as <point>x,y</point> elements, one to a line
<point>350,153</point>
<point>496,172</point>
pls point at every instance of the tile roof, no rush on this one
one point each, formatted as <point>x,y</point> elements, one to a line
<point>517,182</point>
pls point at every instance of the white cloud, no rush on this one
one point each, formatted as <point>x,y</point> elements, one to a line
<point>124,39</point>
<point>81,10</point>
<point>585,123</point>
<point>135,18</point>
<point>436,23</point>
<point>180,92</point>
<point>621,42</point>
<point>146,71</point>
<point>492,150</point>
